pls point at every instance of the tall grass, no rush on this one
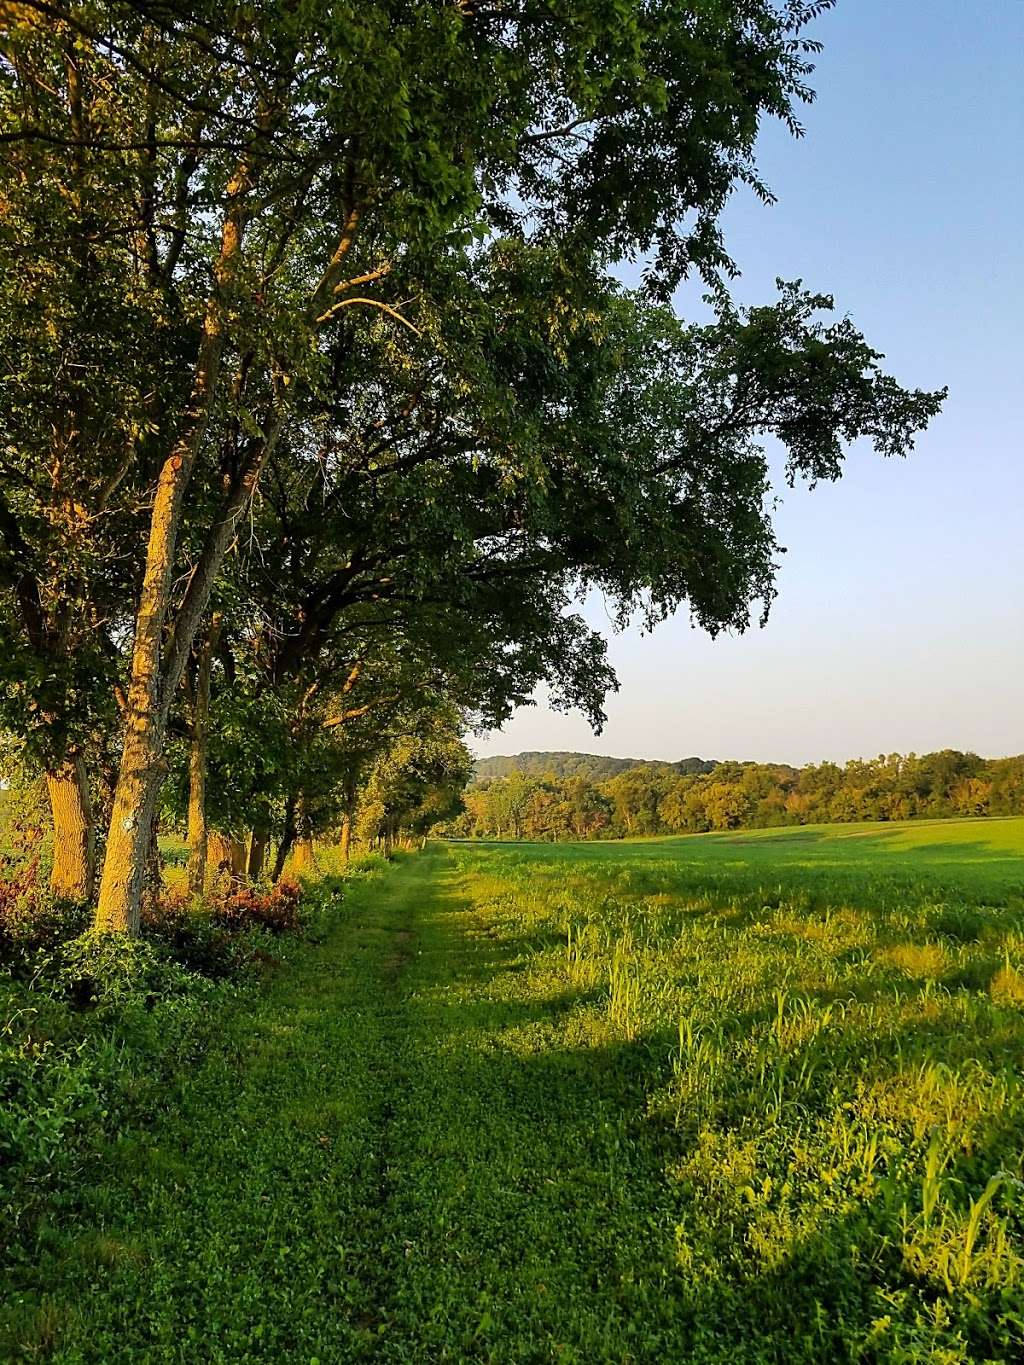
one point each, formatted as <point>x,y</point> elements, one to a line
<point>827,1027</point>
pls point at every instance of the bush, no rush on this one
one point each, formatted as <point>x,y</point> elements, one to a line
<point>277,910</point>
<point>112,971</point>
<point>33,920</point>
<point>47,942</point>
<point>95,1028</point>
<point>86,1050</point>
<point>189,935</point>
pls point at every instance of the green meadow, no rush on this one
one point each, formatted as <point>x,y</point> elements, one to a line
<point>979,861</point>
<point>723,1098</point>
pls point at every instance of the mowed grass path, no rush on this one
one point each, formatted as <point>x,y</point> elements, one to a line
<point>390,1159</point>
<point>683,1100</point>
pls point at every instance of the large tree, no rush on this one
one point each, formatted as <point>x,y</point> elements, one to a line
<point>212,195</point>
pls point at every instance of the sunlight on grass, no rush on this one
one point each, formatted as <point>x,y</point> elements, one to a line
<point>829,1019</point>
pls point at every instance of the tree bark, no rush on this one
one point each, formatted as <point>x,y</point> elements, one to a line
<point>74,833</point>
<point>227,855</point>
<point>151,684</point>
<point>256,855</point>
<point>153,879</point>
<point>345,846</point>
<point>287,839</point>
<point>142,755</point>
<point>198,834</point>
<point>303,858</point>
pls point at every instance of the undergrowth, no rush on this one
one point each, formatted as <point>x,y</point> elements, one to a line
<point>733,1101</point>
<point>93,1026</point>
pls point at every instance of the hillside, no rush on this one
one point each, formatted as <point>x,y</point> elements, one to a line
<point>597,767</point>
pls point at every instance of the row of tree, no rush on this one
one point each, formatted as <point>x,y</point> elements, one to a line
<point>321,403</point>
<point>654,799</point>
<point>562,763</point>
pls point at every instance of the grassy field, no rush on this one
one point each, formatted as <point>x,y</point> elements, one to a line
<point>731,1098</point>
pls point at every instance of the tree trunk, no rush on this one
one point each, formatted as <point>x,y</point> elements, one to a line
<point>259,838</point>
<point>142,755</point>
<point>74,833</point>
<point>302,854</point>
<point>153,880</point>
<point>198,835</point>
<point>227,855</point>
<point>287,839</point>
<point>346,837</point>
<point>303,858</point>
<point>227,852</point>
<point>283,849</point>
<point>153,680</point>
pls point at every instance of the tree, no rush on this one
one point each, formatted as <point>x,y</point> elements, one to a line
<point>257,187</point>
<point>588,809</point>
<point>972,796</point>
<point>510,799</point>
<point>635,795</point>
<point>417,783</point>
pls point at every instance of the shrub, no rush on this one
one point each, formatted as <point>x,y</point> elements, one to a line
<point>33,920</point>
<point>189,935</point>
<point>85,1050</point>
<point>214,938</point>
<point>277,910</point>
<point>111,971</point>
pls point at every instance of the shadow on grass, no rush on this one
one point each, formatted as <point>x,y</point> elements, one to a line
<point>425,1146</point>
<point>543,1212</point>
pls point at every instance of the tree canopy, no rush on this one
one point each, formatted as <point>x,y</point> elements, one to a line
<point>312,323</point>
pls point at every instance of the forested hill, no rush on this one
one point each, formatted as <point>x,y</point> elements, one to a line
<point>594,766</point>
<point>531,798</point>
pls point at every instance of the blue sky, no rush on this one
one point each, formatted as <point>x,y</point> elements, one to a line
<point>900,618</point>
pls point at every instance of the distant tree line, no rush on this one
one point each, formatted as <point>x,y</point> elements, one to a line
<point>657,799</point>
<point>561,763</point>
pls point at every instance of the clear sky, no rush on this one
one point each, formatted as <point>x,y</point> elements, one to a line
<point>900,618</point>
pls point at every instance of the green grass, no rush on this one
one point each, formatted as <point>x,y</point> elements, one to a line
<point>976,861</point>
<point>735,1098</point>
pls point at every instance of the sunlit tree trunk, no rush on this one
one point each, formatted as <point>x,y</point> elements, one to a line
<point>142,755</point>
<point>226,855</point>
<point>198,834</point>
<point>303,859</point>
<point>152,883</point>
<point>345,845</point>
<point>74,833</point>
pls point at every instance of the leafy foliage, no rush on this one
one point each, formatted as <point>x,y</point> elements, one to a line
<point>653,798</point>
<point>568,764</point>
